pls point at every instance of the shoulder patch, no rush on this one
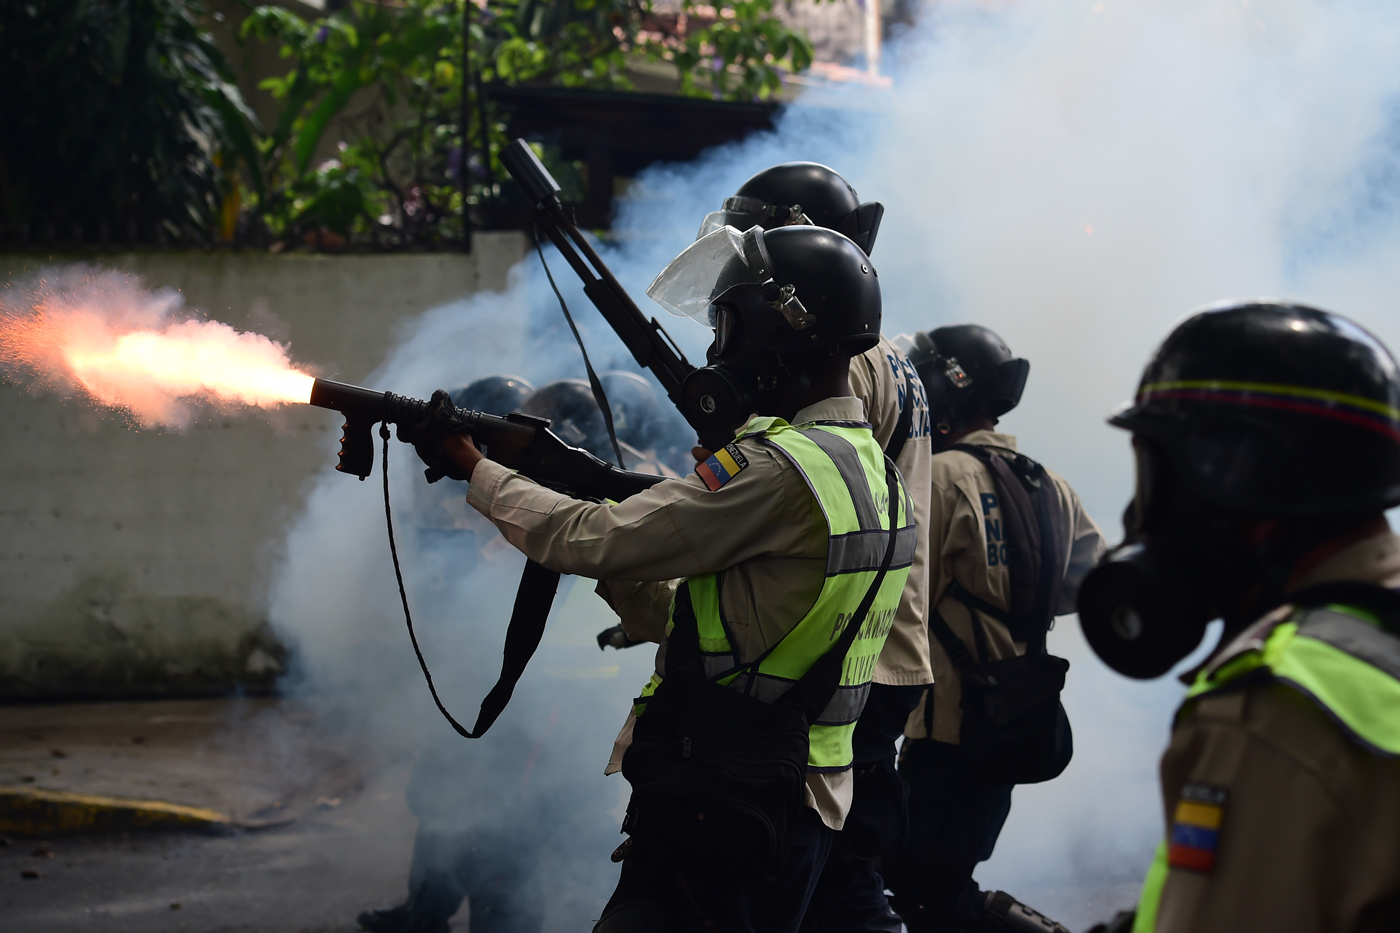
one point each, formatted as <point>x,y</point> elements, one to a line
<point>1196,828</point>
<point>722,466</point>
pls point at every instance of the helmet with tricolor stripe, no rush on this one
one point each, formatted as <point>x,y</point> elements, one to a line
<point>1269,408</point>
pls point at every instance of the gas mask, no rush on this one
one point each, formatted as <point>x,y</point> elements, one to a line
<point>725,280</point>
<point>1146,605</point>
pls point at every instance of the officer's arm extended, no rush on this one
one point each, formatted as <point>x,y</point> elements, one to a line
<point>678,528</point>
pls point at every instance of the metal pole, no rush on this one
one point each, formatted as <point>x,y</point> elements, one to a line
<point>872,37</point>
<point>464,125</point>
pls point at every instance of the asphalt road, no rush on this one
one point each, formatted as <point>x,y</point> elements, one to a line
<point>310,876</point>
<point>339,840</point>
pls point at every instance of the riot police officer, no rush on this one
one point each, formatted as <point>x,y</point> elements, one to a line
<point>1011,542</point>
<point>851,894</point>
<point>775,567</point>
<point>1267,439</point>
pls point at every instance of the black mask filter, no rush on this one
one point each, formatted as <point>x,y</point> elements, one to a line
<point>1140,613</point>
<point>717,397</point>
<point>1146,605</point>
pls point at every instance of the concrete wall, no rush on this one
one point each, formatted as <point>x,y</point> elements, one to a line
<point>136,562</point>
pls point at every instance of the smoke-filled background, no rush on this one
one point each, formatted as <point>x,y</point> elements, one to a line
<point>1076,175</point>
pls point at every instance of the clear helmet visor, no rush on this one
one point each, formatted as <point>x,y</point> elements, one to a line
<point>739,220</point>
<point>709,267</point>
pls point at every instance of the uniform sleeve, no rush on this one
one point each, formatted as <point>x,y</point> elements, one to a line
<point>642,608</point>
<point>1308,830</point>
<point>868,386</point>
<point>677,528</point>
<point>1086,547</point>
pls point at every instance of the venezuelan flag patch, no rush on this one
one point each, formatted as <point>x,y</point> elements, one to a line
<point>722,466</point>
<point>1196,828</point>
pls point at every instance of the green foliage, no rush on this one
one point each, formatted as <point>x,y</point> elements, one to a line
<point>742,56</point>
<point>117,116</point>
<point>389,77</point>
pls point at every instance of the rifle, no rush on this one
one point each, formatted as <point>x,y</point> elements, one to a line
<point>647,340</point>
<point>519,441</point>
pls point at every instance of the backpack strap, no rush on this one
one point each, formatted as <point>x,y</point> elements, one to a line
<point>968,664</point>
<point>959,592</point>
<point>1029,501</point>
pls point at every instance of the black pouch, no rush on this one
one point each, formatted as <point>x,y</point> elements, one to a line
<point>1018,730</point>
<point>1014,727</point>
<point>714,770</point>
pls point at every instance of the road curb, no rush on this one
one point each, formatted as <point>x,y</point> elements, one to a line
<point>33,811</point>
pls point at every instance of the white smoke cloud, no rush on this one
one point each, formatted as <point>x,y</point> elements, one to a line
<point>1077,175</point>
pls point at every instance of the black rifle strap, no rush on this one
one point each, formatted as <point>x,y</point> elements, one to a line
<point>599,395</point>
<point>533,600</point>
<point>819,684</point>
<point>905,422</point>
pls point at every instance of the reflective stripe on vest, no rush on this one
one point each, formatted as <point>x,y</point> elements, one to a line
<point>845,470</point>
<point>1340,659</point>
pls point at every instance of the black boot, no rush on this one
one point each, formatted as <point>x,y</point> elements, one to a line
<point>427,910</point>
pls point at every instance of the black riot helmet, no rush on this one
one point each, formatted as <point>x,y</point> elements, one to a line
<point>1255,409</point>
<point>800,193</point>
<point>778,301</point>
<point>495,395</point>
<point>573,413</point>
<point>1274,409</point>
<point>636,414</point>
<point>969,374</point>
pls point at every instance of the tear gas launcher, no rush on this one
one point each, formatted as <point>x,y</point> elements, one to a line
<point>519,441</point>
<point>647,340</point>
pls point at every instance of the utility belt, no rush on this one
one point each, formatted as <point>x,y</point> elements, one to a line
<point>713,770</point>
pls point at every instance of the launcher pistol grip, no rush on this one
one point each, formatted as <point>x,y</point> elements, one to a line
<point>357,446</point>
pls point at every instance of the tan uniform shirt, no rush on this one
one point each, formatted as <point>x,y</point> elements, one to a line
<point>763,532</point>
<point>1310,841</point>
<point>877,378</point>
<point>962,509</point>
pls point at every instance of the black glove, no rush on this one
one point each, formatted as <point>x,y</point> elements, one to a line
<point>443,420</point>
<point>615,637</point>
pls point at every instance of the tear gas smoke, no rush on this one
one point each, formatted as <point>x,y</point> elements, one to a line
<point>1075,175</point>
<point>105,337</point>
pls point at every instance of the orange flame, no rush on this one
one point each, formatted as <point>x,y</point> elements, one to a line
<point>128,348</point>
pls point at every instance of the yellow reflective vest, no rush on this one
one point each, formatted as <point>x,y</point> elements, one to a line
<point>1337,656</point>
<point>845,469</point>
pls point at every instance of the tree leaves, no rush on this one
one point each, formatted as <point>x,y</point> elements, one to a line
<point>116,115</point>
